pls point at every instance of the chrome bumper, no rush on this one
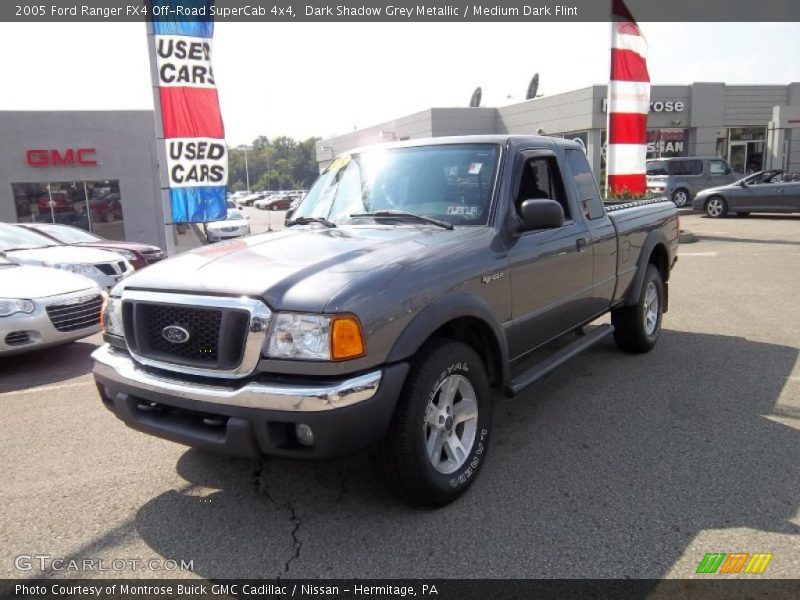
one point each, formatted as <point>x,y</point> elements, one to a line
<point>116,366</point>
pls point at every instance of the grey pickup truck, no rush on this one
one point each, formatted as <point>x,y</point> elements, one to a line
<point>414,284</point>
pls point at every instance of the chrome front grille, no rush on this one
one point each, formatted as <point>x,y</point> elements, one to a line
<point>75,313</point>
<point>219,336</point>
<point>112,268</point>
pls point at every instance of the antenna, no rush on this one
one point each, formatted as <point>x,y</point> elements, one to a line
<point>533,88</point>
<point>475,101</point>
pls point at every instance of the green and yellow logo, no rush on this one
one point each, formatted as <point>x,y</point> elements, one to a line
<point>735,562</point>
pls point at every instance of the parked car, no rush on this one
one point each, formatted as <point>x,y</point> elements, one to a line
<point>681,178</point>
<point>139,255</point>
<point>391,310</point>
<point>276,202</point>
<point>235,225</point>
<point>41,307</point>
<point>27,247</point>
<point>249,200</point>
<point>769,191</point>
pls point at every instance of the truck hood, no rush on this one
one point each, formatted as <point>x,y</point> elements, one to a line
<point>297,269</point>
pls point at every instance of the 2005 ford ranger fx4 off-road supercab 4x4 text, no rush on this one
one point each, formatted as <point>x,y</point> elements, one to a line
<point>413,284</point>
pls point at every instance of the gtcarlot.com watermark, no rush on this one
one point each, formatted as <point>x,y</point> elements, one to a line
<point>47,562</point>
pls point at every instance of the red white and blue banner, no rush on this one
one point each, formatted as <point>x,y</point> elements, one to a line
<point>194,136</point>
<point>628,105</point>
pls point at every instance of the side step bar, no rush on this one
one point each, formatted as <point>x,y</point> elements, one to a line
<point>551,363</point>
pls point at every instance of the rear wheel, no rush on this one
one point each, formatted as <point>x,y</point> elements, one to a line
<point>439,436</point>
<point>716,207</point>
<point>680,197</point>
<point>637,327</point>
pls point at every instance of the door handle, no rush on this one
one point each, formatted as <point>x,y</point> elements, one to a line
<point>582,244</point>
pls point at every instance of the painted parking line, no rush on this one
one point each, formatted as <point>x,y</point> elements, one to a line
<point>698,253</point>
<point>48,388</point>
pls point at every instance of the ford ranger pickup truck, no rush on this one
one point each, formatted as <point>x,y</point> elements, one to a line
<point>411,287</point>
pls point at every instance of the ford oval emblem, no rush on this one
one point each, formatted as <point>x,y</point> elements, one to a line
<point>175,334</point>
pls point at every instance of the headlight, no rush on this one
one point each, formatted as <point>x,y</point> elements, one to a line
<point>75,268</point>
<point>111,317</point>
<point>10,306</point>
<point>315,337</point>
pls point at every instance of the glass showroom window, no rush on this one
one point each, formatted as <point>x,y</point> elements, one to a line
<point>91,205</point>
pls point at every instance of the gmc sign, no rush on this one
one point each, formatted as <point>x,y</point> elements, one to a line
<point>82,157</point>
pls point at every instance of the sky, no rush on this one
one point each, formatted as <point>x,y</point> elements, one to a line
<point>325,79</point>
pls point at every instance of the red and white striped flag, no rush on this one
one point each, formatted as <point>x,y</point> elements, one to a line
<point>628,104</point>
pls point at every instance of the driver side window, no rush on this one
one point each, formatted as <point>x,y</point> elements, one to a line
<point>541,179</point>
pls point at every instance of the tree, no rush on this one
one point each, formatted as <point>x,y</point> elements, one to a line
<point>277,164</point>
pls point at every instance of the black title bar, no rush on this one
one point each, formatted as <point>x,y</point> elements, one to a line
<point>402,11</point>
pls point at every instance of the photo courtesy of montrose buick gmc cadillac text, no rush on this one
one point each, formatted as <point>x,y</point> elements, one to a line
<point>406,292</point>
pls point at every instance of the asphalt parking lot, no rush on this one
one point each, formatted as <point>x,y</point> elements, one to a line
<point>614,466</point>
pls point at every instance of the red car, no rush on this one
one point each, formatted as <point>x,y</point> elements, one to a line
<point>139,255</point>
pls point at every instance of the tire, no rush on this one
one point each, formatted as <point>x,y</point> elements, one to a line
<point>273,207</point>
<point>637,327</point>
<point>681,197</point>
<point>421,421</point>
<point>716,207</point>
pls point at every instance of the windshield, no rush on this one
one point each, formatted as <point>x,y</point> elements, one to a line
<point>763,177</point>
<point>18,238</point>
<point>235,215</point>
<point>68,235</point>
<point>452,183</point>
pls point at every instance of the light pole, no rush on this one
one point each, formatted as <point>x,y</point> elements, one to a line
<point>246,169</point>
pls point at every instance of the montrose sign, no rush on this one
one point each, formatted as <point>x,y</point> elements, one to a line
<point>657,106</point>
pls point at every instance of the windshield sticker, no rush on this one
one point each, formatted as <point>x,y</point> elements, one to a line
<point>468,211</point>
<point>340,162</point>
<point>475,168</point>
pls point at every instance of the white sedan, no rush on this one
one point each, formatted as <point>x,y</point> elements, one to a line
<point>235,225</point>
<point>26,247</point>
<point>42,307</point>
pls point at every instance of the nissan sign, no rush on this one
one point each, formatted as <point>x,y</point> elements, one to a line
<point>657,106</point>
<point>71,157</point>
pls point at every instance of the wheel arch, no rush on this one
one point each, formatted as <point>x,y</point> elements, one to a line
<point>654,251</point>
<point>461,317</point>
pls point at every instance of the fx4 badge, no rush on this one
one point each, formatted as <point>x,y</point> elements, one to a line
<point>492,277</point>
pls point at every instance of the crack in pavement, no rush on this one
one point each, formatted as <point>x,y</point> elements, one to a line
<point>287,505</point>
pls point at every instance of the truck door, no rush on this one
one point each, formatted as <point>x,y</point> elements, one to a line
<point>601,230</point>
<point>551,270</point>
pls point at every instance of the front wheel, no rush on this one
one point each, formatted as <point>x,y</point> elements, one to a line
<point>637,327</point>
<point>716,207</point>
<point>439,436</point>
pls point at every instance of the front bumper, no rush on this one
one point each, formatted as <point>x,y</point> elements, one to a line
<point>252,417</point>
<point>217,235</point>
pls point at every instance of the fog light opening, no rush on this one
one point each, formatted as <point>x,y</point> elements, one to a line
<point>147,406</point>
<point>304,434</point>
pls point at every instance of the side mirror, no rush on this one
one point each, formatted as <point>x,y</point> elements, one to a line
<point>541,214</point>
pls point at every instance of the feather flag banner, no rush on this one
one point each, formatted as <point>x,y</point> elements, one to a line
<point>628,105</point>
<point>187,105</point>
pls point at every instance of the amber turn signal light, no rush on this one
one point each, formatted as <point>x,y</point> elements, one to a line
<point>347,340</point>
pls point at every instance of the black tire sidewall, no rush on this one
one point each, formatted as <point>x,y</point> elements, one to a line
<point>653,275</point>
<point>451,358</point>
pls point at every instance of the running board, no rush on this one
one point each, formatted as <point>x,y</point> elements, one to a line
<point>551,363</point>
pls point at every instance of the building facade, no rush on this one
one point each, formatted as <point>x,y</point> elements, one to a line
<point>91,169</point>
<point>753,126</point>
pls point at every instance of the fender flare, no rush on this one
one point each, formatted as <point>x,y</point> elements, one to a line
<point>654,238</point>
<point>440,312</point>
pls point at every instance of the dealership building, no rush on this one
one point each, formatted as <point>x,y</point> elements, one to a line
<point>753,126</point>
<point>91,169</point>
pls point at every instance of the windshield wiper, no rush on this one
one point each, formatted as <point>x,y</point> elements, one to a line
<point>307,220</point>
<point>404,215</point>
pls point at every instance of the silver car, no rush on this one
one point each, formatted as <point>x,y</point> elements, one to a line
<point>43,307</point>
<point>682,178</point>
<point>766,191</point>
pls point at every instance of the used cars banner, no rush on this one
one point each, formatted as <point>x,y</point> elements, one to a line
<point>193,132</point>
